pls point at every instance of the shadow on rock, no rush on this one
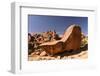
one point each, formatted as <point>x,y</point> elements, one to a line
<point>73,52</point>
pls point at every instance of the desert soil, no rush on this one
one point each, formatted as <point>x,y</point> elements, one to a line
<point>66,55</point>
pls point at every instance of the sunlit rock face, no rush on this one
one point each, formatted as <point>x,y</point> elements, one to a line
<point>70,41</point>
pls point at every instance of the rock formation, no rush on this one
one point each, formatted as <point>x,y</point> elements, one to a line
<point>70,41</point>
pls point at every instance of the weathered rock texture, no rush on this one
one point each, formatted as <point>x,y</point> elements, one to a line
<point>70,41</point>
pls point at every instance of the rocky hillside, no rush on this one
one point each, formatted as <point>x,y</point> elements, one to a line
<point>84,41</point>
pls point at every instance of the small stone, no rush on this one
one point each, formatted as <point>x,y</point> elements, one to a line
<point>58,57</point>
<point>72,57</point>
<point>37,53</point>
<point>43,53</point>
<point>64,57</point>
<point>32,53</point>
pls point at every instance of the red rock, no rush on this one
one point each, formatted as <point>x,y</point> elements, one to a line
<point>71,40</point>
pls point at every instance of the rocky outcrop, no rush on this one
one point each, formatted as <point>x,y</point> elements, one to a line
<point>70,41</point>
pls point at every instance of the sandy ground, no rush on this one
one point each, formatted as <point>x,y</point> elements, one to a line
<point>65,55</point>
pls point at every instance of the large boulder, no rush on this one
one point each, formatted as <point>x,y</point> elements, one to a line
<point>71,40</point>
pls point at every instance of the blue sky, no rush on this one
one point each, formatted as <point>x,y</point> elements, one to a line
<point>40,23</point>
